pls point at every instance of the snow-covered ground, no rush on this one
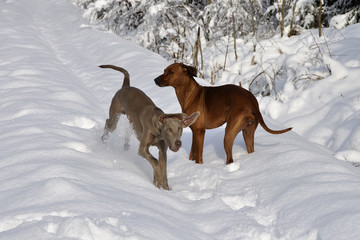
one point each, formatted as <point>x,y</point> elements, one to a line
<point>59,181</point>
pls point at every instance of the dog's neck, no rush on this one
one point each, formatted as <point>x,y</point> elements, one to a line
<point>188,93</point>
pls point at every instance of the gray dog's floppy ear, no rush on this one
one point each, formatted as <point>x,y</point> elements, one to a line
<point>190,70</point>
<point>180,116</point>
<point>162,118</point>
<point>183,117</point>
<point>190,119</point>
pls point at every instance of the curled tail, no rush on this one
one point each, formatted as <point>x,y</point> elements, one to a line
<point>126,82</point>
<point>260,119</point>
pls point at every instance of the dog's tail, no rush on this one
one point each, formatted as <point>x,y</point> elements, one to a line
<point>260,119</point>
<point>126,82</point>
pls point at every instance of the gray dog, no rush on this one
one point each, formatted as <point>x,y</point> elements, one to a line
<point>151,125</point>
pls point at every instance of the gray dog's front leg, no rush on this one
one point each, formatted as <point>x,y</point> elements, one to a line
<point>145,153</point>
<point>159,167</point>
<point>162,166</point>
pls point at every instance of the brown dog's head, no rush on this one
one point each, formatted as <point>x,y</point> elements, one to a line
<point>174,74</point>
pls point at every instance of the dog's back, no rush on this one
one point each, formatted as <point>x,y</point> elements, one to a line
<point>228,103</point>
<point>151,126</point>
<point>133,102</point>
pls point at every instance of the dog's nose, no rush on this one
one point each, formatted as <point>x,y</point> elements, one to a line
<point>178,143</point>
<point>157,81</point>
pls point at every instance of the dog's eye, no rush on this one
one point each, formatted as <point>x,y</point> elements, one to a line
<point>180,130</point>
<point>170,72</point>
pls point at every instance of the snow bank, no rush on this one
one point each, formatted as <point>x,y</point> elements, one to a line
<point>58,181</point>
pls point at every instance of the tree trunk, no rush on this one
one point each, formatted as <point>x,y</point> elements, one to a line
<point>196,50</point>
<point>291,32</point>
<point>282,27</point>
<point>253,16</point>
<point>234,29</point>
<point>319,17</point>
<point>196,54</point>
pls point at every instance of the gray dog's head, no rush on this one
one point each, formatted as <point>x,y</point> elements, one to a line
<point>171,126</point>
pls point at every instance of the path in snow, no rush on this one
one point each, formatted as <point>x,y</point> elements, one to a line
<point>58,181</point>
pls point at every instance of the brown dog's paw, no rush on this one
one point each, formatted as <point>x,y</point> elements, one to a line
<point>166,187</point>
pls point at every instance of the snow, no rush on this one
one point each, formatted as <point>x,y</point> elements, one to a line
<point>59,181</point>
<point>156,8</point>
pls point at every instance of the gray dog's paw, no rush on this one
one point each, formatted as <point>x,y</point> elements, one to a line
<point>104,138</point>
<point>126,146</point>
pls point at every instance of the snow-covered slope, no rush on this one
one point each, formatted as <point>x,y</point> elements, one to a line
<point>59,181</point>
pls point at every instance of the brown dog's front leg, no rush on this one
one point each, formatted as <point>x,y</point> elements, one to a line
<point>198,142</point>
<point>192,151</point>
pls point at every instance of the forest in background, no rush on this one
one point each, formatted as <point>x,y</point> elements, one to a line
<point>191,31</point>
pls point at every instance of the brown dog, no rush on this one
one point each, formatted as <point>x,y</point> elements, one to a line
<point>217,105</point>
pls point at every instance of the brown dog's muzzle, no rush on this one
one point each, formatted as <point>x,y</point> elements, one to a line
<point>159,81</point>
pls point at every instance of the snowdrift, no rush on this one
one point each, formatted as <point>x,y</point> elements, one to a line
<point>59,181</point>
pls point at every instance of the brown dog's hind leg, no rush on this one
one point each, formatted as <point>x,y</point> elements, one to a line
<point>234,125</point>
<point>249,135</point>
<point>230,135</point>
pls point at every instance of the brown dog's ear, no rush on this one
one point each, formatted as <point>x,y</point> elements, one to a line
<point>190,70</point>
<point>190,119</point>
